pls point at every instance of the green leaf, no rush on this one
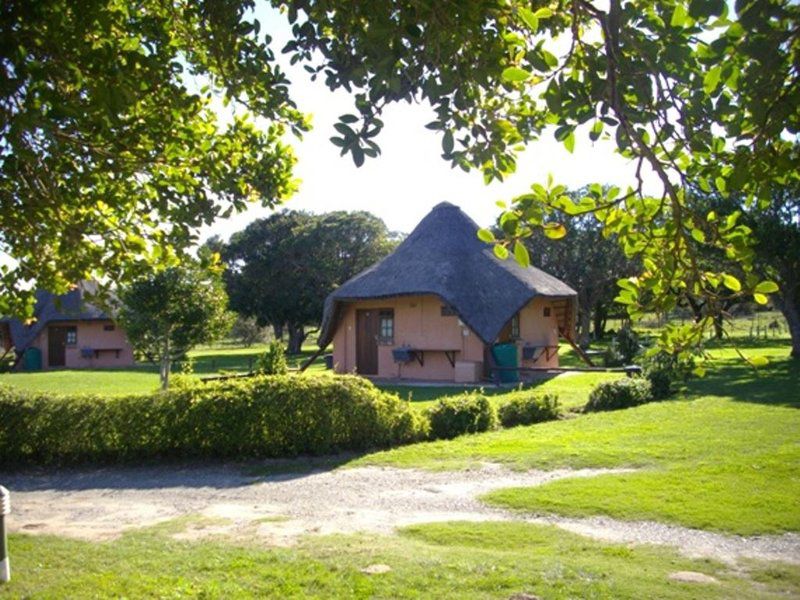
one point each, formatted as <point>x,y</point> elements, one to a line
<point>501,252</point>
<point>348,119</point>
<point>711,79</point>
<point>555,231</point>
<point>485,235</point>
<point>699,236</point>
<point>767,287</point>
<point>760,298</point>
<point>447,142</point>
<point>731,282</point>
<point>569,142</point>
<point>521,254</point>
<point>515,74</point>
<point>529,19</point>
<point>679,17</point>
<point>543,13</point>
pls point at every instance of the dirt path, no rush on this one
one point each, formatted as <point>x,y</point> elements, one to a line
<point>102,503</point>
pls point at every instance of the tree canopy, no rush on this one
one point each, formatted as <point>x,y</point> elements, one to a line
<point>111,155</point>
<point>281,268</point>
<point>698,92</point>
<point>168,312</point>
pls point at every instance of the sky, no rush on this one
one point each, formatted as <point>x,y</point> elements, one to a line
<point>410,177</point>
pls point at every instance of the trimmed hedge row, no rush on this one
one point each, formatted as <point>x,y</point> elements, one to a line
<point>267,416</point>
<point>620,393</point>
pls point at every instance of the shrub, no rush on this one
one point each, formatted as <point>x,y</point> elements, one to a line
<point>469,413</point>
<point>621,393</point>
<point>662,370</point>
<point>273,361</point>
<point>528,410</point>
<point>274,416</point>
<point>612,357</point>
<point>628,344</point>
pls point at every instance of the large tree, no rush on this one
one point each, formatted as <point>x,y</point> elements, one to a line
<point>696,92</point>
<point>281,268</point>
<point>111,154</point>
<point>166,313</point>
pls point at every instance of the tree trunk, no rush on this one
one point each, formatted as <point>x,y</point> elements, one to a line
<point>791,311</point>
<point>719,329</point>
<point>584,326</point>
<point>600,313</point>
<point>297,336</point>
<point>166,365</point>
<point>277,329</point>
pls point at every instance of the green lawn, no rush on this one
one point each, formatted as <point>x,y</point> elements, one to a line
<point>724,456</point>
<point>449,560</point>
<point>207,361</point>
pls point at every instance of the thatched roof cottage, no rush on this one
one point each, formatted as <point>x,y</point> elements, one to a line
<point>438,306</point>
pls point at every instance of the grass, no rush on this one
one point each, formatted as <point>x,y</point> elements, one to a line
<point>143,378</point>
<point>572,390</point>
<point>725,456</point>
<point>446,560</point>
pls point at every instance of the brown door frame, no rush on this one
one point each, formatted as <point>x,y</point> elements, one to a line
<point>367,323</point>
<point>57,345</point>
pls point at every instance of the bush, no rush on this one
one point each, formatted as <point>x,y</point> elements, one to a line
<point>662,370</point>
<point>621,393</point>
<point>528,410</point>
<point>628,344</point>
<point>455,416</point>
<point>275,416</point>
<point>273,361</point>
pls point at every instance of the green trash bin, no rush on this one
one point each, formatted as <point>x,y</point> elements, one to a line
<point>32,360</point>
<point>505,355</point>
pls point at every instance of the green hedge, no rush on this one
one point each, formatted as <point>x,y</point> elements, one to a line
<point>529,410</point>
<point>267,416</point>
<point>620,393</point>
<point>469,413</point>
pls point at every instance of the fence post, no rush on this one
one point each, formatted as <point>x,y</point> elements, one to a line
<point>5,508</point>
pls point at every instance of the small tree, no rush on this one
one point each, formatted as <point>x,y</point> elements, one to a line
<point>167,313</point>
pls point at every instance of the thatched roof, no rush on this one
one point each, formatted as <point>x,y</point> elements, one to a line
<point>443,256</point>
<point>51,308</point>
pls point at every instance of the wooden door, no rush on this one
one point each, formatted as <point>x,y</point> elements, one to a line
<point>57,346</point>
<point>367,342</point>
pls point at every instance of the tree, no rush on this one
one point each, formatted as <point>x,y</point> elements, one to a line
<point>111,156</point>
<point>168,312</point>
<point>590,263</point>
<point>698,92</point>
<point>247,331</point>
<point>280,269</point>
<point>777,248</point>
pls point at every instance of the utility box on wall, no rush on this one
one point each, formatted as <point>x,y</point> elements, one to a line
<point>468,371</point>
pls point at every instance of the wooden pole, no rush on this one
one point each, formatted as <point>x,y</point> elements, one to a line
<point>314,357</point>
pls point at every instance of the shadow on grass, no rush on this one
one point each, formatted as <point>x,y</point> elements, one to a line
<point>777,383</point>
<point>425,393</point>
<point>153,474</point>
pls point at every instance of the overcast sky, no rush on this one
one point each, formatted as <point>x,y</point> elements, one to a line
<point>410,177</point>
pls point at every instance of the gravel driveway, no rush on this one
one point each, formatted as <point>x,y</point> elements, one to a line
<point>99,504</point>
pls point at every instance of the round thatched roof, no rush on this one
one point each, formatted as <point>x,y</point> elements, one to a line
<point>443,256</point>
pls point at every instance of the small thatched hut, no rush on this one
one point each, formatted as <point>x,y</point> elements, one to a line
<point>436,307</point>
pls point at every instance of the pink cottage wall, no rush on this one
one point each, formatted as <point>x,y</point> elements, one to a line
<point>418,323</point>
<point>537,330</point>
<point>91,334</point>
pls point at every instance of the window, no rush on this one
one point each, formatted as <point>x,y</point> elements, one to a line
<point>72,336</point>
<point>515,327</point>
<point>108,327</point>
<point>448,311</point>
<point>546,311</point>
<point>386,326</point>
